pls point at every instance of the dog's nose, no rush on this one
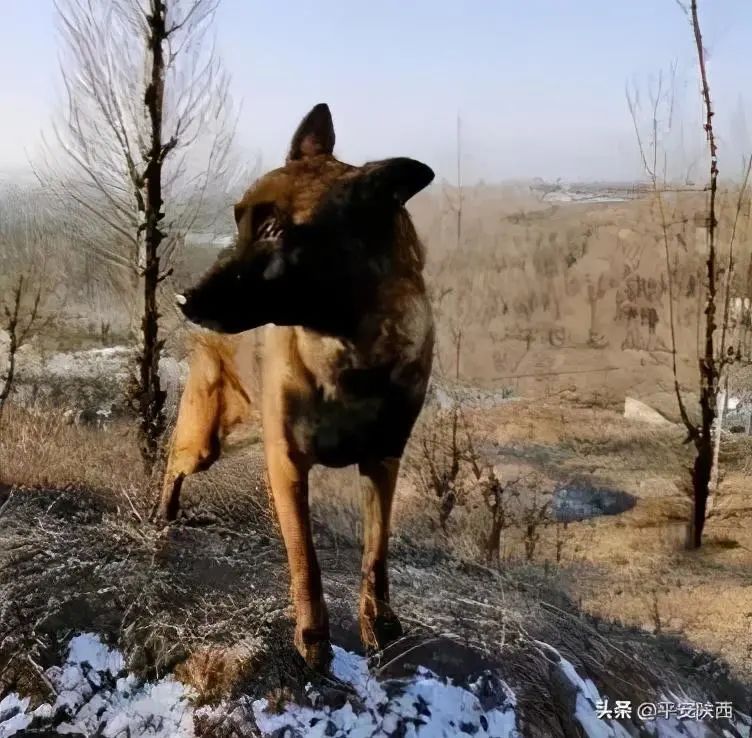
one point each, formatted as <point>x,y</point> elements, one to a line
<point>180,299</point>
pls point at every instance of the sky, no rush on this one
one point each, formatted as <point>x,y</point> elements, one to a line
<point>539,85</point>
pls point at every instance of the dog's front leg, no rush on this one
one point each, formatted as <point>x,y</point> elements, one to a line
<point>289,484</point>
<point>378,624</point>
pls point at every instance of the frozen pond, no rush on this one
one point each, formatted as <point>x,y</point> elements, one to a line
<point>574,502</point>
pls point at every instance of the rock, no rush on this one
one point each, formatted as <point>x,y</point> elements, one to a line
<point>636,410</point>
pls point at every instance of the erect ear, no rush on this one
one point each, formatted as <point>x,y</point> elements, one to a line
<point>396,179</point>
<point>315,134</point>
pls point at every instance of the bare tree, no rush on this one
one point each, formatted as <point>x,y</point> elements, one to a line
<point>442,453</point>
<point>145,136</point>
<point>542,189</point>
<point>25,246</point>
<point>715,349</point>
<point>495,495</point>
<point>596,291</point>
<point>447,456</point>
<point>20,316</point>
<point>713,360</point>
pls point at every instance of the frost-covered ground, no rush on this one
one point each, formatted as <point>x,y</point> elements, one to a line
<point>95,696</point>
<point>90,384</point>
<point>423,706</point>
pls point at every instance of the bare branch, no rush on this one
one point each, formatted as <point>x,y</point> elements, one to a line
<point>143,146</point>
<point>650,170</point>
<point>723,358</point>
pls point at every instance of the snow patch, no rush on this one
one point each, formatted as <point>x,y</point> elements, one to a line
<point>13,716</point>
<point>89,364</point>
<point>594,726</point>
<point>95,697</point>
<point>424,706</point>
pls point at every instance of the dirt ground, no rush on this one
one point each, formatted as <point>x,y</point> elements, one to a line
<point>632,568</point>
<point>209,600</point>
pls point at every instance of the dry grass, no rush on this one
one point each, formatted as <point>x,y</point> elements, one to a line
<point>631,568</point>
<point>211,601</point>
<point>42,447</point>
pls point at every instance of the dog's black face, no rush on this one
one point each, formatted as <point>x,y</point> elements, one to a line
<point>315,265</point>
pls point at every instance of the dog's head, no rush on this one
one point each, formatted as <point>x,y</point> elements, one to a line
<point>315,239</point>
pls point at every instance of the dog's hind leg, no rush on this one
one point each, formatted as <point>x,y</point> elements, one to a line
<point>195,442</point>
<point>378,624</point>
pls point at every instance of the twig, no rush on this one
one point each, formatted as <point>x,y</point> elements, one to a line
<point>7,502</point>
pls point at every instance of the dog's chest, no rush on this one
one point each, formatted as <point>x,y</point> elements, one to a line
<point>361,400</point>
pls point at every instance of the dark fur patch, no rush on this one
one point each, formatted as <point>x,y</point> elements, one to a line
<point>372,419</point>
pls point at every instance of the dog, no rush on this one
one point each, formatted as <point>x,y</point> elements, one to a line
<point>327,259</point>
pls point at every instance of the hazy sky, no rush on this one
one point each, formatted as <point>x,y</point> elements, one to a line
<point>539,83</point>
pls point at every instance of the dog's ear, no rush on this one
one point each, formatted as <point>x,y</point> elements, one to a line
<point>314,136</point>
<point>394,180</point>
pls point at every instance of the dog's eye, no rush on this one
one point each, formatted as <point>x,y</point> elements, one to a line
<point>267,222</point>
<point>269,230</point>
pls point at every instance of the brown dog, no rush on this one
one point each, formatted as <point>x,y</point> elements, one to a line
<point>328,255</point>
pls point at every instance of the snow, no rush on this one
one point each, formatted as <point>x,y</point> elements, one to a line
<point>568,196</point>
<point>90,363</point>
<point>85,649</point>
<point>13,716</point>
<point>95,696</point>
<point>422,707</point>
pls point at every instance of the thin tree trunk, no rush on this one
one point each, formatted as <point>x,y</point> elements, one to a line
<point>151,395</point>
<point>709,365</point>
<point>10,372</point>
<point>701,484</point>
<point>13,330</point>
<point>493,544</point>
